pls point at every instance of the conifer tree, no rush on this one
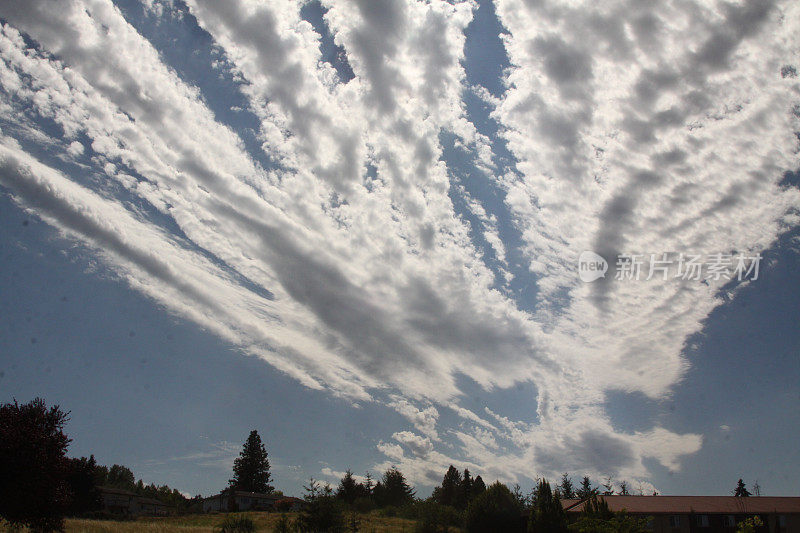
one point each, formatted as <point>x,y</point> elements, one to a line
<point>465,494</point>
<point>451,486</point>
<point>586,490</point>
<point>396,491</point>
<point>567,490</point>
<point>478,487</point>
<point>741,491</point>
<point>348,488</point>
<point>251,468</point>
<point>547,516</point>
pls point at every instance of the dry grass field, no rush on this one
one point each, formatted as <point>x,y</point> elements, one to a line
<point>207,523</point>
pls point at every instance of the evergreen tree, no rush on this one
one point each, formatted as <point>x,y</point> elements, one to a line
<point>378,494</point>
<point>251,468</point>
<point>448,493</point>
<point>478,487</point>
<point>597,508</point>
<point>586,490</point>
<point>396,491</point>
<point>566,488</point>
<point>348,488</point>
<point>741,491</point>
<point>465,494</point>
<point>547,516</point>
<point>322,512</point>
<point>368,484</point>
<point>494,510</point>
<point>33,465</point>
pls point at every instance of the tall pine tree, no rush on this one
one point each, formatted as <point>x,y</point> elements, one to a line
<point>567,490</point>
<point>251,468</point>
<point>547,515</point>
<point>586,490</point>
<point>448,494</point>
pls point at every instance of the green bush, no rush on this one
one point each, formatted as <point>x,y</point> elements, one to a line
<point>236,524</point>
<point>433,517</point>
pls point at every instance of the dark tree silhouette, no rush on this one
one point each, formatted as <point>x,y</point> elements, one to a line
<point>448,492</point>
<point>323,511</point>
<point>586,490</point>
<point>394,489</point>
<point>495,509</point>
<point>349,489</point>
<point>465,494</point>
<point>740,490</point>
<point>566,488</point>
<point>33,465</point>
<point>478,487</point>
<point>547,516</point>
<point>121,477</point>
<point>84,496</point>
<point>251,468</point>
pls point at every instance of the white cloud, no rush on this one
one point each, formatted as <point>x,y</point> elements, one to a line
<point>423,420</point>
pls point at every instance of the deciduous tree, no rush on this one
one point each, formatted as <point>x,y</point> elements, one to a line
<point>33,466</point>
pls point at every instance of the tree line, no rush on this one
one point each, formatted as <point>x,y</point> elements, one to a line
<point>40,485</point>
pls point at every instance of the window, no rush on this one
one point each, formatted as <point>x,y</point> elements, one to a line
<point>730,521</point>
<point>701,520</point>
<point>781,521</point>
<point>675,521</point>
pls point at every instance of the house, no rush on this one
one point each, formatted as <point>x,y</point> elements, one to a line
<point>126,503</point>
<point>151,507</point>
<point>239,500</point>
<point>290,503</point>
<point>117,501</point>
<point>703,514</point>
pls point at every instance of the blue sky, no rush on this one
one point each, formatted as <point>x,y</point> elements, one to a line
<point>355,227</point>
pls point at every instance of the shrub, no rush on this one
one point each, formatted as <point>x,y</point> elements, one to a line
<point>236,524</point>
<point>433,517</point>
